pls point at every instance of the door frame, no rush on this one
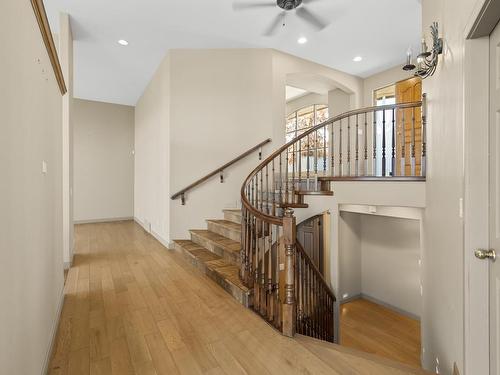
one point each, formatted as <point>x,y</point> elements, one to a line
<point>476,186</point>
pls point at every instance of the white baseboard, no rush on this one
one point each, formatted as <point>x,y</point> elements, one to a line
<point>381,303</point>
<point>105,220</point>
<point>55,326</point>
<point>158,237</point>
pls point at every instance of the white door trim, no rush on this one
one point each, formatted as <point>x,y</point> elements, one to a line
<point>476,193</point>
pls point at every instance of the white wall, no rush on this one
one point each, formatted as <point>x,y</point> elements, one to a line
<point>103,161</point>
<point>338,102</point>
<point>66,60</point>
<point>31,262</point>
<point>390,261</point>
<point>349,238</point>
<point>444,245</point>
<point>194,117</point>
<point>152,155</point>
<point>305,101</point>
<point>379,257</point>
<point>219,109</point>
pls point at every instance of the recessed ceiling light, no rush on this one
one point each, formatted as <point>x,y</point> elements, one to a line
<point>302,40</point>
<point>357,59</point>
<point>123,42</point>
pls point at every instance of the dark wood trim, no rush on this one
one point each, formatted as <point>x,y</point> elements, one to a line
<point>306,256</point>
<point>374,178</point>
<point>487,19</point>
<point>48,40</point>
<point>220,169</point>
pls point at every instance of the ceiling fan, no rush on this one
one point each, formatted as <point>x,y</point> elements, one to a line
<point>287,6</point>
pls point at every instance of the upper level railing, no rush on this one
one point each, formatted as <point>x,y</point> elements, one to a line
<point>375,143</point>
<point>219,171</point>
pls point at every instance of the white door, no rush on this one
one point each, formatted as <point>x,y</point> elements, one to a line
<point>494,202</point>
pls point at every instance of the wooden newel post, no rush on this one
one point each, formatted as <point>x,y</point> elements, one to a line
<point>289,238</point>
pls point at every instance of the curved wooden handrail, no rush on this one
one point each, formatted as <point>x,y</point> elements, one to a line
<point>220,169</point>
<point>276,219</point>
<point>308,259</point>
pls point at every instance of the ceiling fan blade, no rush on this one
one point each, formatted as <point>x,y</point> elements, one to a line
<point>311,18</point>
<point>310,1</point>
<point>253,4</point>
<point>277,21</point>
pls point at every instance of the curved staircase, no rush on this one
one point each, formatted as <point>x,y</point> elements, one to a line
<point>254,254</point>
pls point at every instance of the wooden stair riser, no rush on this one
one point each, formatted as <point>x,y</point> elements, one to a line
<point>217,270</point>
<point>244,298</point>
<point>230,256</point>
<point>233,216</point>
<point>231,233</point>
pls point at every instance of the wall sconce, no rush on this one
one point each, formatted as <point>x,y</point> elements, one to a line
<point>427,61</point>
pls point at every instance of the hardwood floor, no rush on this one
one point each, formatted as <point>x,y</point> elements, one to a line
<point>376,329</point>
<point>134,307</point>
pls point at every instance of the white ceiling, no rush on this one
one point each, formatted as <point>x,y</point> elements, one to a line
<point>378,30</point>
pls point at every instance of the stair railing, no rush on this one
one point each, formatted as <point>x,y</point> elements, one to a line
<point>376,143</point>
<point>219,171</point>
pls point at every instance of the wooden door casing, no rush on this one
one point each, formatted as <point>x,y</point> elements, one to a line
<point>409,90</point>
<point>310,236</point>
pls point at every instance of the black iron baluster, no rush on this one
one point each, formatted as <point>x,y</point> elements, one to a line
<point>293,168</point>
<point>357,146</point>
<point>423,161</point>
<point>308,159</point>
<point>316,152</point>
<point>403,144</point>
<point>341,169</point>
<point>332,150</point>
<point>267,189</point>
<point>281,181</point>
<point>273,192</point>
<point>393,163</point>
<point>374,145</point>
<point>413,161</point>
<point>366,147</point>
<point>349,145</point>
<point>324,149</point>
<point>384,166</point>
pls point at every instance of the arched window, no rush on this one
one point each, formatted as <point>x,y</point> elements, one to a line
<point>299,121</point>
<point>312,150</point>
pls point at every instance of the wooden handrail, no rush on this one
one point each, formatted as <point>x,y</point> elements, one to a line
<point>276,219</point>
<point>220,169</point>
<point>308,259</point>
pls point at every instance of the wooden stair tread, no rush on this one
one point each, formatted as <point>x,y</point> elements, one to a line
<point>226,243</point>
<point>226,224</point>
<point>230,272</point>
<point>218,269</point>
<point>232,210</point>
<point>313,192</point>
<point>293,205</point>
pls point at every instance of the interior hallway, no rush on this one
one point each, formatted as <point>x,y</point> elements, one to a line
<point>376,329</point>
<point>133,307</point>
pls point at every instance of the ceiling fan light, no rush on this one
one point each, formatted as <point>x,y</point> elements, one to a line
<point>302,40</point>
